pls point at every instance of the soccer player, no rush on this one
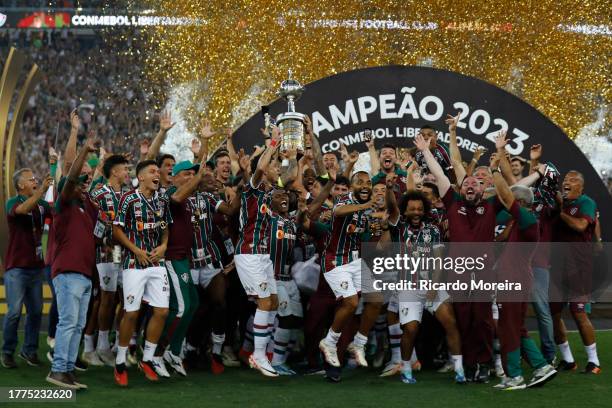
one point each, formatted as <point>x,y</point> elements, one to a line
<point>471,219</point>
<point>26,213</point>
<point>385,166</point>
<point>252,258</point>
<point>74,260</point>
<point>116,171</point>
<point>141,227</point>
<point>342,264</point>
<point>575,226</point>
<point>283,234</point>
<point>206,257</point>
<point>514,265</point>
<point>421,238</point>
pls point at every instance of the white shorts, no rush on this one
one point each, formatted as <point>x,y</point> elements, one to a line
<point>431,307</point>
<point>410,312</point>
<point>203,276</point>
<point>150,284</point>
<point>345,280</point>
<point>289,303</point>
<point>109,276</point>
<point>256,273</point>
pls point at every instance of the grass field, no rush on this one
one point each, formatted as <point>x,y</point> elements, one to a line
<point>240,387</point>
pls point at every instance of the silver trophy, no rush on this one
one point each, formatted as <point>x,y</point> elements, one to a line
<point>291,123</point>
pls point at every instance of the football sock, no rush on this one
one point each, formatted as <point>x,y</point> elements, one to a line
<point>592,353</point>
<point>566,352</point>
<point>332,338</point>
<point>395,338</point>
<point>360,340</point>
<point>458,363</point>
<point>281,341</point>
<point>261,333</point>
<point>103,343</point>
<point>217,341</point>
<point>149,351</point>
<point>88,343</point>
<point>121,352</point>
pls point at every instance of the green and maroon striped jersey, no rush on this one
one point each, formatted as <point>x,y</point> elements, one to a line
<point>204,251</point>
<point>343,245</point>
<point>254,220</point>
<point>143,221</point>
<point>107,201</point>
<point>283,234</point>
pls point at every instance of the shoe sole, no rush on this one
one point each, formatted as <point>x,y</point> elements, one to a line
<point>595,371</point>
<point>265,372</point>
<point>61,384</point>
<point>337,365</point>
<point>28,362</point>
<point>515,388</point>
<point>390,373</point>
<point>170,363</point>
<point>542,380</point>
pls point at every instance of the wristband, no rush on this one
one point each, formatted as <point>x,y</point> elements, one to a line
<point>494,171</point>
<point>274,143</point>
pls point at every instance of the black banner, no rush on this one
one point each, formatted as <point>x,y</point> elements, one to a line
<point>395,101</point>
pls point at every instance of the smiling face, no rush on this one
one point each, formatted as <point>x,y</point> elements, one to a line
<point>517,167</point>
<point>27,183</point>
<point>415,211</point>
<point>471,190</point>
<point>339,189</point>
<point>387,158</point>
<point>149,177</point>
<point>484,176</point>
<point>573,185</point>
<point>280,202</point>
<point>223,170</point>
<point>330,161</point>
<point>166,171</point>
<point>121,172</point>
<point>361,185</point>
<point>379,191</point>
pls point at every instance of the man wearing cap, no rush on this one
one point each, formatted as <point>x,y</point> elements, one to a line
<point>186,178</point>
<point>73,226</point>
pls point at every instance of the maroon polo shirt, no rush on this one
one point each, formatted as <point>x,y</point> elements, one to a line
<point>25,234</point>
<point>181,229</point>
<point>74,246</point>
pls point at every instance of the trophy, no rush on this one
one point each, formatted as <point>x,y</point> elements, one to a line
<point>291,123</point>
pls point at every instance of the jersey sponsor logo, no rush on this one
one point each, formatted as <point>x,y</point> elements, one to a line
<point>280,234</point>
<point>480,210</point>
<point>140,225</point>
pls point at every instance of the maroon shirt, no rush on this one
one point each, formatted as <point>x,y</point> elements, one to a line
<point>181,229</point>
<point>74,246</point>
<point>25,234</point>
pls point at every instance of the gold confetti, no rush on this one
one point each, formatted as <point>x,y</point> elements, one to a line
<point>555,56</point>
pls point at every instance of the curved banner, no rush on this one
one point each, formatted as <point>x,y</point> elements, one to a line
<point>395,101</point>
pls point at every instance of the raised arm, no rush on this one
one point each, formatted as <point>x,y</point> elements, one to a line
<point>316,148</point>
<point>535,153</point>
<point>442,181</point>
<point>318,201</point>
<point>165,124</point>
<point>455,154</point>
<point>290,174</point>
<point>532,178</point>
<point>394,212</point>
<point>344,210</point>
<point>502,156</point>
<point>72,180</point>
<point>351,159</point>
<point>474,162</point>
<point>266,157</point>
<point>374,161</point>
<point>410,184</point>
<point>231,150</point>
<point>504,194</point>
<point>71,147</point>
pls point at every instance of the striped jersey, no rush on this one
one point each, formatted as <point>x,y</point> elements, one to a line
<point>143,221</point>
<point>283,235</point>
<point>204,250</point>
<point>416,241</point>
<point>343,245</point>
<point>254,220</point>
<point>107,200</point>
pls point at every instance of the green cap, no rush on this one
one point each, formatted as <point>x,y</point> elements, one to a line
<point>184,165</point>
<point>62,182</point>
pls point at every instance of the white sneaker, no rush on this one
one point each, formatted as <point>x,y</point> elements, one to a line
<point>542,375</point>
<point>358,353</point>
<point>92,359</point>
<point>175,362</point>
<point>499,371</point>
<point>448,367</point>
<point>160,368</point>
<point>392,368</point>
<point>106,356</point>
<point>229,357</point>
<point>263,365</point>
<point>330,353</point>
<point>512,383</point>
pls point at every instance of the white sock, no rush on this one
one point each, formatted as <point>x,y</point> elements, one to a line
<point>88,343</point>
<point>413,357</point>
<point>458,363</point>
<point>566,352</point>
<point>407,368</point>
<point>149,351</point>
<point>261,333</point>
<point>395,338</point>
<point>592,354</point>
<point>281,341</point>
<point>133,339</point>
<point>103,343</point>
<point>332,337</point>
<point>121,353</point>
<point>360,340</point>
<point>217,341</point>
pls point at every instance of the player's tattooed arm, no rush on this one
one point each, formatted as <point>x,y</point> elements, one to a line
<point>455,154</point>
<point>318,201</point>
<point>289,175</point>
<point>346,209</point>
<point>266,156</point>
<point>231,150</point>
<point>410,184</point>
<point>442,180</point>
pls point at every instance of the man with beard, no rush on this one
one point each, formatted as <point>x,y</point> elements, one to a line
<point>141,227</point>
<point>342,264</point>
<point>116,171</point>
<point>418,237</point>
<point>390,169</point>
<point>471,219</point>
<point>223,168</point>
<point>575,226</point>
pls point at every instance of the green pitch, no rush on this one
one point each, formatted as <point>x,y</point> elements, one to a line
<point>241,387</point>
